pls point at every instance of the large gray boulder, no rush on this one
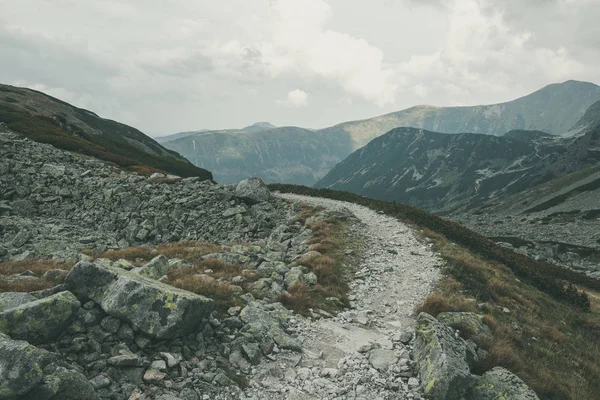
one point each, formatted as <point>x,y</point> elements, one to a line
<point>20,367</point>
<point>500,383</point>
<point>39,321</point>
<point>441,359</point>
<point>157,309</point>
<point>253,191</point>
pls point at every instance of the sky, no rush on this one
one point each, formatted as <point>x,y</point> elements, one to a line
<point>165,66</point>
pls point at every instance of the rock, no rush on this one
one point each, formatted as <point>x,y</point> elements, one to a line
<point>73,386</point>
<point>157,309</point>
<point>172,360</point>
<point>154,376</point>
<point>269,324</point>
<point>294,276</point>
<point>125,360</point>
<point>382,359</point>
<point>41,320</point>
<point>56,275</point>
<point>499,383</point>
<point>253,191</point>
<point>100,382</point>
<point>20,367</point>
<point>13,299</point>
<point>110,324</point>
<point>468,323</point>
<point>155,268</point>
<point>441,360</point>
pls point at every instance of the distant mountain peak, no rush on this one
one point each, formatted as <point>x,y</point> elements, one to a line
<point>259,126</point>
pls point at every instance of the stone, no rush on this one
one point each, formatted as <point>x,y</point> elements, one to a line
<point>441,360</point>
<point>155,268</point>
<point>100,382</point>
<point>41,320</point>
<point>13,299</point>
<point>110,324</point>
<point>125,360</point>
<point>499,383</point>
<point>73,386</point>
<point>382,359</point>
<point>468,323</point>
<point>154,376</point>
<point>253,191</point>
<point>20,367</point>
<point>252,352</point>
<point>157,309</point>
<point>159,365</point>
<point>293,277</point>
<point>56,275</point>
<point>172,360</point>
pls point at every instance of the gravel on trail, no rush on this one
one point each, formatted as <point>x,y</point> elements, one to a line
<point>364,352</point>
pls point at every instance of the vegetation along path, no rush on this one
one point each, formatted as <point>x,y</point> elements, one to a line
<point>364,352</point>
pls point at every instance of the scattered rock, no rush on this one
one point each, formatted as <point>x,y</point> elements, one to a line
<point>499,383</point>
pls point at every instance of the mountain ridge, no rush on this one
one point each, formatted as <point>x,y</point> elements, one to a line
<point>553,109</point>
<point>46,119</point>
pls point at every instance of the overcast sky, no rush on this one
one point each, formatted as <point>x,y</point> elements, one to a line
<point>165,66</point>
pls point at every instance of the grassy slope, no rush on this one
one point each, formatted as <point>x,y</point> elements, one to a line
<point>550,336</point>
<point>113,145</point>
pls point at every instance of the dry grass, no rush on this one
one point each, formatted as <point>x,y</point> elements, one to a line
<point>331,268</point>
<point>552,346</point>
<point>186,250</point>
<point>39,267</point>
<point>221,292</point>
<point>298,298</point>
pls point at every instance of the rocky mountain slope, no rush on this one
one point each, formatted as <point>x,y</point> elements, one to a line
<point>449,172</point>
<point>553,109</point>
<point>49,120</point>
<point>192,310</point>
<point>491,183</point>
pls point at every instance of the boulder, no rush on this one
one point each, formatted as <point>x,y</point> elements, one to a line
<point>499,383</point>
<point>155,268</point>
<point>468,323</point>
<point>41,320</point>
<point>441,360</point>
<point>157,309</point>
<point>382,359</point>
<point>14,299</point>
<point>20,367</point>
<point>269,323</point>
<point>73,385</point>
<point>253,191</point>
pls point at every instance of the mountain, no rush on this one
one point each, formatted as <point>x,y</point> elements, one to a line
<point>259,126</point>
<point>553,109</point>
<point>451,172</point>
<point>277,155</point>
<point>178,135</point>
<point>48,120</point>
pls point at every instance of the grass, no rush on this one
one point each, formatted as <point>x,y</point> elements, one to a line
<point>186,250</point>
<point>550,336</point>
<point>39,267</point>
<point>552,346</point>
<point>331,266</point>
<point>214,285</point>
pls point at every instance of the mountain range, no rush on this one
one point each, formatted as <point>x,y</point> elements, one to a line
<point>294,155</point>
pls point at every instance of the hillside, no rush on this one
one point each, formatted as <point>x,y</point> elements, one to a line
<point>239,292</point>
<point>49,120</point>
<point>553,109</point>
<point>276,155</point>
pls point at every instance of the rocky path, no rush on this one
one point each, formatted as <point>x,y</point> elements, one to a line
<point>363,353</point>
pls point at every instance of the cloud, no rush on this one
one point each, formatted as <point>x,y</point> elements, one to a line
<point>296,98</point>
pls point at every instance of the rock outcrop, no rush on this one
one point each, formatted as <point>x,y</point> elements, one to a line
<point>39,321</point>
<point>157,309</point>
<point>499,383</point>
<point>442,360</point>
